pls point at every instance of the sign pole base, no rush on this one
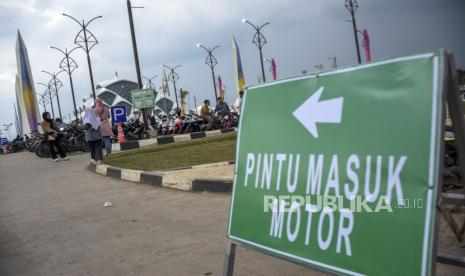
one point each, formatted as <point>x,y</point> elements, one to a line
<point>455,105</point>
<point>229,256</point>
<point>451,260</point>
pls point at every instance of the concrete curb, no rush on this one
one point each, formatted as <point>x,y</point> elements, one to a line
<point>163,140</point>
<point>159,178</point>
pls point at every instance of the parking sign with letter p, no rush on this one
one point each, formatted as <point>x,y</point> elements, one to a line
<point>118,114</point>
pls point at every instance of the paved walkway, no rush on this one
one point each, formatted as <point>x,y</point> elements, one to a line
<point>52,222</point>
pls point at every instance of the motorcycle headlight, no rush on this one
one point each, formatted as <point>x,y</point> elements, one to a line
<point>62,129</point>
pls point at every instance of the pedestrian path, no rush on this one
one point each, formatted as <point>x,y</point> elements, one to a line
<point>52,222</point>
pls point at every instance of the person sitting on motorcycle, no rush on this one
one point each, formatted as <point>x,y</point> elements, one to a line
<point>179,122</point>
<point>206,113</point>
<point>53,140</point>
<point>222,108</point>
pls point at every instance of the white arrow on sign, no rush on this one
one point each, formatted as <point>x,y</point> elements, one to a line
<point>313,111</point>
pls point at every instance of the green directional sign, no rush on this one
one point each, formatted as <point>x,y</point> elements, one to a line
<point>339,171</point>
<point>143,98</point>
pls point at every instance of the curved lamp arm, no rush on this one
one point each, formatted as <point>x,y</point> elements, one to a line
<point>77,21</point>
<point>87,24</point>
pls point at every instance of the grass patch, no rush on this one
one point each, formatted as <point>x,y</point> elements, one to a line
<point>182,154</point>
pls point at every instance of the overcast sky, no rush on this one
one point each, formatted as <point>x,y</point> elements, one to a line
<point>302,33</point>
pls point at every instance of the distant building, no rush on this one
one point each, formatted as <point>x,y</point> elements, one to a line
<point>117,92</point>
<point>113,92</point>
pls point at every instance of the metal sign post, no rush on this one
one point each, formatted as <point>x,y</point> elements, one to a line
<point>358,181</point>
<point>456,112</point>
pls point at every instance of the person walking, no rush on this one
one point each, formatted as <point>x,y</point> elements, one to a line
<point>52,137</point>
<point>93,135</point>
<point>105,126</point>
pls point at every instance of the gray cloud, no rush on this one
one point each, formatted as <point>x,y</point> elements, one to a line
<point>302,33</point>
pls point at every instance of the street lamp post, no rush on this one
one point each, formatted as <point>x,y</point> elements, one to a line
<point>173,77</point>
<point>334,62</point>
<point>150,82</point>
<point>49,91</point>
<point>136,56</point>
<point>259,40</point>
<point>43,100</point>
<point>68,64</point>
<point>57,84</point>
<point>211,62</point>
<point>82,39</point>
<point>352,6</point>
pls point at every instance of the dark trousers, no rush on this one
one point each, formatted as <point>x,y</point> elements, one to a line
<point>56,144</point>
<point>96,151</point>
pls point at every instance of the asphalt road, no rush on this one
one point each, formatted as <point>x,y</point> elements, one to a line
<point>52,222</point>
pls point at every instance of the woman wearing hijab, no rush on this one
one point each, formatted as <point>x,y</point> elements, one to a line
<point>93,135</point>
<point>105,126</point>
<point>52,137</point>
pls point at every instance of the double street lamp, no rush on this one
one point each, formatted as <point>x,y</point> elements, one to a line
<point>211,61</point>
<point>333,62</point>
<point>352,6</point>
<point>68,64</point>
<point>49,92</point>
<point>150,82</point>
<point>43,100</point>
<point>86,40</point>
<point>57,84</point>
<point>259,40</point>
<point>173,77</point>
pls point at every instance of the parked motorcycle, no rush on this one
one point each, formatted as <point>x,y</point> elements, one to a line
<point>167,125</point>
<point>42,150</point>
<point>72,138</point>
<point>228,121</point>
<point>133,130</point>
<point>17,145</point>
<point>192,124</point>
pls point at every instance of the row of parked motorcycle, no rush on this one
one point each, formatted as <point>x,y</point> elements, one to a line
<point>190,123</point>
<point>72,136</point>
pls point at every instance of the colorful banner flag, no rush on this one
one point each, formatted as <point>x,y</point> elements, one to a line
<point>220,87</point>
<point>273,69</point>
<point>240,81</point>
<point>183,101</point>
<point>366,43</point>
